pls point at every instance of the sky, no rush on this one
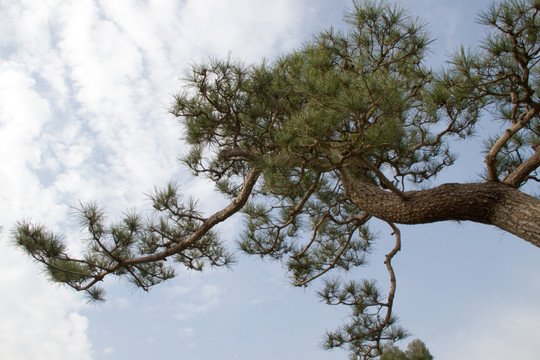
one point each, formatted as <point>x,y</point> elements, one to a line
<point>85,88</point>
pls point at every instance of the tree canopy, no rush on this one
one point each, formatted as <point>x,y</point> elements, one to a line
<point>310,147</point>
<point>416,350</point>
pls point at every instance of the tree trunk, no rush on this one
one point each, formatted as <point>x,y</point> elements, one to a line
<point>488,203</point>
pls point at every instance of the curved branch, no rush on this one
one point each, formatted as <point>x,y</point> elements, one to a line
<point>388,263</point>
<point>521,173</point>
<point>180,244</point>
<point>393,283</point>
<point>488,203</point>
<point>491,157</point>
<point>208,223</point>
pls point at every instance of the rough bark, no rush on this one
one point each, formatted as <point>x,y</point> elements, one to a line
<point>521,173</point>
<point>490,203</point>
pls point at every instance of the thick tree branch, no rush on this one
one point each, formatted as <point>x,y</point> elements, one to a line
<point>488,203</point>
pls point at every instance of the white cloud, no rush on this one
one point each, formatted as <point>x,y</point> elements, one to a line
<point>23,110</point>
<point>112,66</point>
<point>39,321</point>
<point>31,27</point>
<point>23,114</point>
<point>256,28</point>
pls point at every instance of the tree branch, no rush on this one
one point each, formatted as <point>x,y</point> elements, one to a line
<point>383,178</point>
<point>488,203</point>
<point>208,224</point>
<point>393,281</point>
<point>522,172</point>
<point>491,157</point>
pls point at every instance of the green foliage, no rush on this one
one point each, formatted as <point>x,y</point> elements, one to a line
<point>343,95</point>
<point>362,96</point>
<point>416,350</point>
<point>504,74</point>
<point>369,322</point>
<point>135,248</point>
<point>344,98</point>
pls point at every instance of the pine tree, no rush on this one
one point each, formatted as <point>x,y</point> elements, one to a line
<point>321,141</point>
<point>416,350</point>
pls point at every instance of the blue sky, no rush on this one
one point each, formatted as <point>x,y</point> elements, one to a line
<point>84,91</point>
